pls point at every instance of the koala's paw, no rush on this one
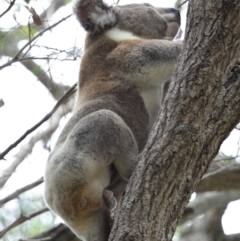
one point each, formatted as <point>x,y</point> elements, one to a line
<point>109,199</point>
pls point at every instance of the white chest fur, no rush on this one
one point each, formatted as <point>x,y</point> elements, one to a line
<point>118,35</point>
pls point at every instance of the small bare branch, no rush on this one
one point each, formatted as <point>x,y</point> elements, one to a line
<point>8,9</point>
<point>56,89</point>
<point>47,58</point>
<point>72,52</point>
<point>21,220</point>
<point>180,5</point>
<point>117,2</point>
<point>207,201</point>
<point>59,103</point>
<point>226,158</point>
<point>224,178</point>
<point>44,135</point>
<point>16,58</point>
<point>41,239</point>
<point>210,174</point>
<point>20,191</point>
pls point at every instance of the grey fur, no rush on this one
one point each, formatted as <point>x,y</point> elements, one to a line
<point>128,56</point>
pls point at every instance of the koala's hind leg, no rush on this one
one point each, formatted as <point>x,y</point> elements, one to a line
<point>101,139</point>
<point>79,183</point>
<point>105,138</point>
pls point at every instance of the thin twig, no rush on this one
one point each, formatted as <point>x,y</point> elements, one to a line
<point>30,39</point>
<point>21,220</point>
<point>46,58</point>
<point>9,7</point>
<point>16,57</point>
<point>226,158</point>
<point>59,103</point>
<point>219,170</point>
<point>38,35</point>
<point>20,191</point>
<point>43,135</point>
<point>41,239</point>
<point>180,5</point>
<point>70,51</point>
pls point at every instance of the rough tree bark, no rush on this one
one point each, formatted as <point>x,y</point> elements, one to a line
<point>198,114</point>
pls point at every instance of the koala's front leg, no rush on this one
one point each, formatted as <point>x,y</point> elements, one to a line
<point>147,63</point>
<point>161,57</point>
<point>155,62</point>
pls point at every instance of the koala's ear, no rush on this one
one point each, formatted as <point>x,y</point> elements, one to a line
<point>94,15</point>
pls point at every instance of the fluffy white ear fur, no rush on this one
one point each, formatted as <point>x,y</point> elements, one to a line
<point>103,18</point>
<point>94,15</point>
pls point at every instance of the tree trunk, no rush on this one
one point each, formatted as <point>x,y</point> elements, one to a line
<point>199,112</point>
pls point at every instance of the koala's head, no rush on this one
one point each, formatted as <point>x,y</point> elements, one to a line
<point>141,20</point>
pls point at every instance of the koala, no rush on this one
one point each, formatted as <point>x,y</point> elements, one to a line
<point>128,55</point>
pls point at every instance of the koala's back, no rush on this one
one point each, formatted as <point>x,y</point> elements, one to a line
<point>116,95</point>
<point>102,85</point>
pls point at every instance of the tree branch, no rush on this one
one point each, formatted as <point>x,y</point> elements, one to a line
<point>54,88</point>
<point>207,201</point>
<point>193,123</point>
<point>227,178</point>
<point>43,135</point>
<point>60,233</point>
<point>58,104</point>
<point>20,191</point>
<point>208,227</point>
<point>8,9</point>
<point>16,58</point>
<point>180,5</point>
<point>21,220</point>
<point>233,237</point>
<point>42,239</point>
<point>53,7</point>
<point>10,49</point>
